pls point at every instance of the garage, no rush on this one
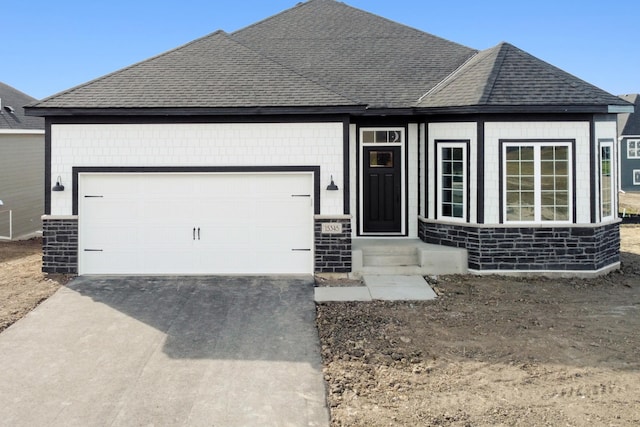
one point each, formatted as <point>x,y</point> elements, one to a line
<point>195,223</point>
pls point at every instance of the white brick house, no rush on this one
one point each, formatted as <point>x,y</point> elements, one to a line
<point>233,153</point>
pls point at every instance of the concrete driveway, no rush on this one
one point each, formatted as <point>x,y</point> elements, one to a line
<point>173,351</point>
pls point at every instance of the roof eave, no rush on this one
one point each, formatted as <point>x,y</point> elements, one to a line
<point>511,109</point>
<point>194,111</point>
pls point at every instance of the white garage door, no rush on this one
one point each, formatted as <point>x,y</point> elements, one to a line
<point>217,223</point>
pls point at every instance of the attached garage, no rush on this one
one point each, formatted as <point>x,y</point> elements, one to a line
<point>195,223</point>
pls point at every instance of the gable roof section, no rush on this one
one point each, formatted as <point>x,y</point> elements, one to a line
<point>629,123</point>
<point>214,71</point>
<point>507,76</point>
<point>16,119</point>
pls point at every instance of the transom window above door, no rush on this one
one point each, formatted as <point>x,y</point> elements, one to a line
<point>382,135</point>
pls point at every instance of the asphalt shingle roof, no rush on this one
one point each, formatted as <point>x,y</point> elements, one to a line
<point>507,76</point>
<point>326,53</point>
<point>629,123</point>
<point>16,119</point>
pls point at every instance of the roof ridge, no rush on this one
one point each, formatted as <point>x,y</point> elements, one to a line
<point>487,91</point>
<point>448,79</point>
<point>292,70</point>
<point>121,70</point>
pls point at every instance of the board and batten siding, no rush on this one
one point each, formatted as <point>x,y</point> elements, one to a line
<point>199,144</point>
<point>21,183</point>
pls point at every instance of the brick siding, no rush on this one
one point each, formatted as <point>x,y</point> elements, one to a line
<point>333,251</point>
<point>530,248</point>
<point>60,245</point>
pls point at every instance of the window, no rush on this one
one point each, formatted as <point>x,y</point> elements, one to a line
<point>536,182</point>
<point>636,177</point>
<point>382,136</point>
<point>606,180</point>
<point>633,149</point>
<point>452,181</point>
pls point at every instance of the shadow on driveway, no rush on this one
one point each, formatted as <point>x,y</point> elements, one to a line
<point>119,351</point>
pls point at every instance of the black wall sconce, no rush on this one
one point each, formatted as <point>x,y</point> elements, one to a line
<point>58,186</point>
<point>332,186</point>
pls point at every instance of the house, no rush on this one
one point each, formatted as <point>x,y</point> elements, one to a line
<point>629,140</point>
<point>285,146</point>
<point>21,167</point>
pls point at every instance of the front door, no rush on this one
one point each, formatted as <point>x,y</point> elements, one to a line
<point>382,188</point>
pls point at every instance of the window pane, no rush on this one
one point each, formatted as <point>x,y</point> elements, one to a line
<point>513,214</point>
<point>457,154</point>
<point>457,211</point>
<point>513,198</point>
<point>547,198</point>
<point>562,153</point>
<point>526,153</point>
<point>446,167</point>
<point>546,153</point>
<point>527,168</point>
<point>527,198</point>
<point>458,196</point>
<point>562,168</point>
<point>367,136</point>
<point>527,183</point>
<point>562,214</point>
<point>446,154</point>
<point>513,168</point>
<point>446,195</point>
<point>380,159</point>
<point>446,210</point>
<point>457,168</point>
<point>547,182</point>
<point>546,168</point>
<point>381,136</point>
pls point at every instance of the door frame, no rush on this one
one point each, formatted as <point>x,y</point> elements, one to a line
<point>402,144</point>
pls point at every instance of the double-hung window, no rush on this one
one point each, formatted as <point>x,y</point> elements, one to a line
<point>633,149</point>
<point>606,180</point>
<point>452,180</point>
<point>537,183</point>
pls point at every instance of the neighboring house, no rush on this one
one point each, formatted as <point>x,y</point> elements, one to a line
<point>629,139</point>
<point>281,147</point>
<point>21,167</point>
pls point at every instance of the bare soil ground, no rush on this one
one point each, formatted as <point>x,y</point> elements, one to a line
<point>22,284</point>
<point>489,351</point>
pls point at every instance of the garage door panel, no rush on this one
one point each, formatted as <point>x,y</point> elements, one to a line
<point>248,223</point>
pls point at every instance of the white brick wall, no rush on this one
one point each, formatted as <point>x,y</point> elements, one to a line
<point>494,131</point>
<point>225,144</point>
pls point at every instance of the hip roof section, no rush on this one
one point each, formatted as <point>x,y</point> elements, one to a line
<point>323,53</point>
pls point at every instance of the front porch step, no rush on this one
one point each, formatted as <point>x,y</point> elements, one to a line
<point>405,257</point>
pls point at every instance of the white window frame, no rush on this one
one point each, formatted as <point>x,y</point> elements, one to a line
<point>403,186</point>
<point>636,147</point>
<point>538,180</point>
<point>465,178</point>
<point>609,145</point>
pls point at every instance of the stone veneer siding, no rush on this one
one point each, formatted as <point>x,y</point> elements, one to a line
<point>333,251</point>
<point>530,248</point>
<point>60,245</point>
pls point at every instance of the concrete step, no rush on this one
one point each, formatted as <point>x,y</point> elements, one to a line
<point>390,259</point>
<point>405,257</point>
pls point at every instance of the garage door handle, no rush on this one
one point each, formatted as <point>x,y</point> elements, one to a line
<point>198,233</point>
<point>194,233</point>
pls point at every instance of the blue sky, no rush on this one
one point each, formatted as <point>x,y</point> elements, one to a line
<point>49,46</point>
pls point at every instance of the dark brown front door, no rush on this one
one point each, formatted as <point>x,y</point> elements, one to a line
<point>382,190</point>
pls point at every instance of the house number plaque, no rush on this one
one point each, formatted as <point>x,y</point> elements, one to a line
<point>331,228</point>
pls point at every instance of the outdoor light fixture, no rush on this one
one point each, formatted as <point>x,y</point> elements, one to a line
<point>58,186</point>
<point>332,186</point>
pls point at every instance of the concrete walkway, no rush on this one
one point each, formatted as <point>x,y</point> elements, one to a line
<point>379,287</point>
<point>195,351</point>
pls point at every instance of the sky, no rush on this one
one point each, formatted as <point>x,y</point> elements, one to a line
<point>50,46</point>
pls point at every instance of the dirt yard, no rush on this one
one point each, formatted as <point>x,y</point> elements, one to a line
<point>489,351</point>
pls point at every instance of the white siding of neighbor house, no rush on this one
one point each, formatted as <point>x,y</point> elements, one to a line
<point>495,131</point>
<point>458,131</point>
<point>21,183</point>
<point>206,144</point>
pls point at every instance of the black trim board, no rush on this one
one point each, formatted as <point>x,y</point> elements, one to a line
<point>199,169</point>
<point>346,167</point>
<point>480,172</point>
<point>47,166</point>
<point>592,160</point>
